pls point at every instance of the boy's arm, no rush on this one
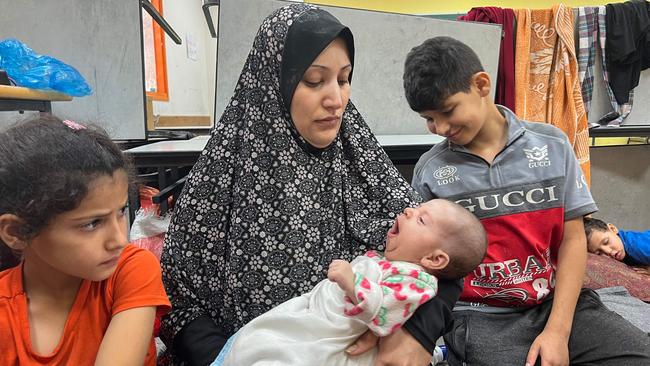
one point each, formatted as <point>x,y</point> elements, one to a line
<point>552,344</point>
<point>127,338</point>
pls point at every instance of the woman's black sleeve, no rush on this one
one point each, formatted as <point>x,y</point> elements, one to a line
<point>199,342</point>
<point>434,318</point>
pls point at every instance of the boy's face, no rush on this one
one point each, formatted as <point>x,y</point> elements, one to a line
<point>461,117</point>
<point>606,243</point>
<point>414,235</point>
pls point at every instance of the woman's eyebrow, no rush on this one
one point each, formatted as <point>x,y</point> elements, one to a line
<point>327,68</point>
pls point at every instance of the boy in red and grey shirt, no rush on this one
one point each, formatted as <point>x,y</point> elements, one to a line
<point>523,182</point>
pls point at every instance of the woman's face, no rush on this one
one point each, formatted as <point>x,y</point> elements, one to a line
<point>322,94</point>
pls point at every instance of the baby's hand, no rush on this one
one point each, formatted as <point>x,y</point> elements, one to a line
<point>340,271</point>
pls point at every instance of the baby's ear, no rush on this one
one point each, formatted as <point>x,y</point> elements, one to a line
<point>10,231</point>
<point>436,260</point>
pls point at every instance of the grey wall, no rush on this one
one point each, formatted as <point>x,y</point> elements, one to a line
<point>382,41</point>
<point>102,40</point>
<point>620,184</point>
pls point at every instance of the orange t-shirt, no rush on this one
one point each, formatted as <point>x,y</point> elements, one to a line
<point>135,283</point>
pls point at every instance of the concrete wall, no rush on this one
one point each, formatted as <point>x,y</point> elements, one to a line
<point>102,40</point>
<point>620,177</point>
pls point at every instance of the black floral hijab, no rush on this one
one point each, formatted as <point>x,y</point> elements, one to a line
<point>263,213</point>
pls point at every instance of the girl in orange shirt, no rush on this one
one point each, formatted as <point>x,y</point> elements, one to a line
<point>76,292</point>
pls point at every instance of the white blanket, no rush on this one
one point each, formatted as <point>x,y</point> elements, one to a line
<point>313,330</point>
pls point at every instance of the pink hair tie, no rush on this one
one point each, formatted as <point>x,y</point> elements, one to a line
<point>74,125</point>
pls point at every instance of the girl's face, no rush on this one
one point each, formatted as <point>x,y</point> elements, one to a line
<point>322,94</point>
<point>85,242</point>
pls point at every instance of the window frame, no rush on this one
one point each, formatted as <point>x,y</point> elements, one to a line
<point>162,91</point>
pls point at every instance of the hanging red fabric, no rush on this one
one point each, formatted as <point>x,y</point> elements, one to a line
<point>505,85</point>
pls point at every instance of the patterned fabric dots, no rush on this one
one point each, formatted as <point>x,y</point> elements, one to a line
<point>262,214</point>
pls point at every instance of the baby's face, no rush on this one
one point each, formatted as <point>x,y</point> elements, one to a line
<point>606,243</point>
<point>414,234</point>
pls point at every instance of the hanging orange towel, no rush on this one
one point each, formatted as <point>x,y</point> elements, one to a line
<point>546,76</point>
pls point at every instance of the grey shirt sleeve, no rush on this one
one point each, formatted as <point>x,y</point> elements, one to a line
<point>577,200</point>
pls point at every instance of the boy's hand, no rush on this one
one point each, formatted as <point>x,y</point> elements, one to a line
<point>551,348</point>
<point>340,271</point>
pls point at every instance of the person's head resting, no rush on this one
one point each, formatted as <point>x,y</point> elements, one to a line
<point>441,236</point>
<point>64,190</point>
<point>316,71</point>
<point>603,239</point>
<point>446,84</point>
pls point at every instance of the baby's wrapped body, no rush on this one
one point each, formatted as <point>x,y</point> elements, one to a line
<point>317,327</point>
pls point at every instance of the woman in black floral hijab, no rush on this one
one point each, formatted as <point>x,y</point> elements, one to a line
<point>287,183</point>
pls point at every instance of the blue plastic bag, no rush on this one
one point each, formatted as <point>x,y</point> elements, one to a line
<point>35,71</point>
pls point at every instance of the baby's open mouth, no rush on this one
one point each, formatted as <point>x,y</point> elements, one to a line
<point>395,229</point>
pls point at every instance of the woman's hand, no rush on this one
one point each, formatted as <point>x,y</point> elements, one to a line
<point>400,348</point>
<point>363,344</point>
<point>397,349</point>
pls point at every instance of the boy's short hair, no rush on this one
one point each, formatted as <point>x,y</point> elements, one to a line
<point>592,224</point>
<point>437,69</point>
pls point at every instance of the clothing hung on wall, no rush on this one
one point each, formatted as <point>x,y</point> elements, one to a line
<point>628,36</point>
<point>505,83</point>
<point>587,51</point>
<point>592,33</point>
<point>547,83</point>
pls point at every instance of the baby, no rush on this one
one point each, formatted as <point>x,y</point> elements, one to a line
<point>630,247</point>
<point>438,239</point>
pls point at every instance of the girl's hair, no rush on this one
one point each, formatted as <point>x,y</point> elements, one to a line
<point>46,166</point>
